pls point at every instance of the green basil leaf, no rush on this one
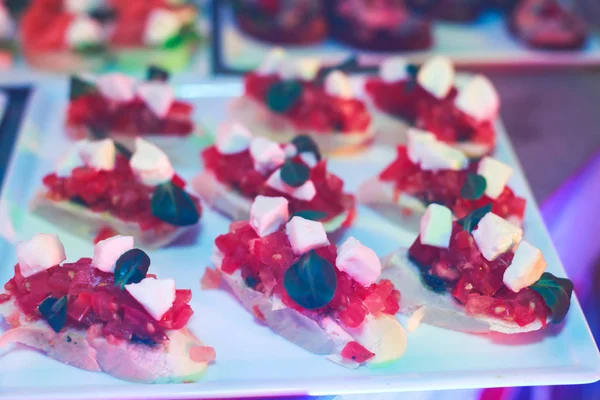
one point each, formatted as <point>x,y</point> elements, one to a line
<point>311,282</point>
<point>474,187</point>
<point>131,267</point>
<point>172,204</point>
<point>80,87</point>
<point>413,70</point>
<point>305,144</point>
<point>54,312</point>
<point>310,214</point>
<point>174,41</point>
<point>294,174</point>
<point>284,95</point>
<point>155,73</point>
<point>556,293</point>
<point>103,14</point>
<point>347,65</point>
<point>470,221</point>
<point>91,49</point>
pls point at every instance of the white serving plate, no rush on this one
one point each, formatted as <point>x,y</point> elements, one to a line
<point>485,41</point>
<point>252,361</point>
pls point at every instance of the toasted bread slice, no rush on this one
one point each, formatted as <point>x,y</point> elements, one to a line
<point>237,207</point>
<point>87,223</point>
<point>382,335</point>
<point>164,363</point>
<point>263,122</point>
<point>439,309</point>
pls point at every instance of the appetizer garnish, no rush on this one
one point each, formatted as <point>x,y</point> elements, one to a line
<point>158,32</point>
<point>547,24</point>
<point>64,35</point>
<point>429,171</point>
<point>460,116</point>
<point>476,274</point>
<point>7,31</point>
<point>239,168</point>
<point>125,108</point>
<point>457,10</point>
<point>282,22</point>
<point>104,313</point>
<point>388,25</point>
<point>284,98</point>
<point>100,184</point>
<point>324,299</point>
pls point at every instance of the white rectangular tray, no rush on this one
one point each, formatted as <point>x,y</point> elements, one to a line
<point>485,42</point>
<point>252,361</point>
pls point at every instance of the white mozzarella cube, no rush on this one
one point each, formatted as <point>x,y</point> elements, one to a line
<point>496,176</point>
<point>437,76</point>
<point>479,99</point>
<point>43,251</point>
<point>100,154</point>
<point>116,86</point>
<point>337,84</point>
<point>305,69</point>
<point>394,69</point>
<point>290,150</point>
<point>150,164</point>
<point>155,295</point>
<point>272,63</point>
<point>83,31</point>
<point>267,214</point>
<point>436,226</point>
<point>305,235</point>
<point>305,192</point>
<point>7,25</point>
<point>158,96</point>
<point>526,268</point>
<point>358,261</point>
<point>425,150</point>
<point>161,25</point>
<point>267,155</point>
<point>233,138</point>
<point>70,160</point>
<point>309,158</point>
<point>495,236</point>
<point>108,251</point>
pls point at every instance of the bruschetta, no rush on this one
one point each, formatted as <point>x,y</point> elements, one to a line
<point>125,108</point>
<point>240,167</point>
<point>284,98</point>
<point>63,36</point>
<point>476,275</point>
<point>460,114</point>
<point>95,186</point>
<point>102,314</point>
<point>429,171</point>
<point>7,37</point>
<point>322,298</point>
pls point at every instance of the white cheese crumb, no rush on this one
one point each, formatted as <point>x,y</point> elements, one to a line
<point>305,69</point>
<point>161,26</point>
<point>233,138</point>
<point>83,31</point>
<point>116,86</point>
<point>155,295</point>
<point>108,251</point>
<point>305,235</point>
<point>425,150</point>
<point>479,99</point>
<point>358,261</point>
<point>436,226</point>
<point>496,176</point>
<point>100,154</point>
<point>526,268</point>
<point>150,164</point>
<point>337,84</point>
<point>437,76</point>
<point>272,63</point>
<point>158,96</point>
<point>495,236</point>
<point>267,214</point>
<point>40,253</point>
<point>305,192</point>
<point>267,154</point>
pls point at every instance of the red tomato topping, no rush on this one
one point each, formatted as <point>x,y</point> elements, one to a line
<point>317,110</point>
<point>211,279</point>
<point>478,283</point>
<point>444,187</point>
<point>94,299</point>
<point>355,352</point>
